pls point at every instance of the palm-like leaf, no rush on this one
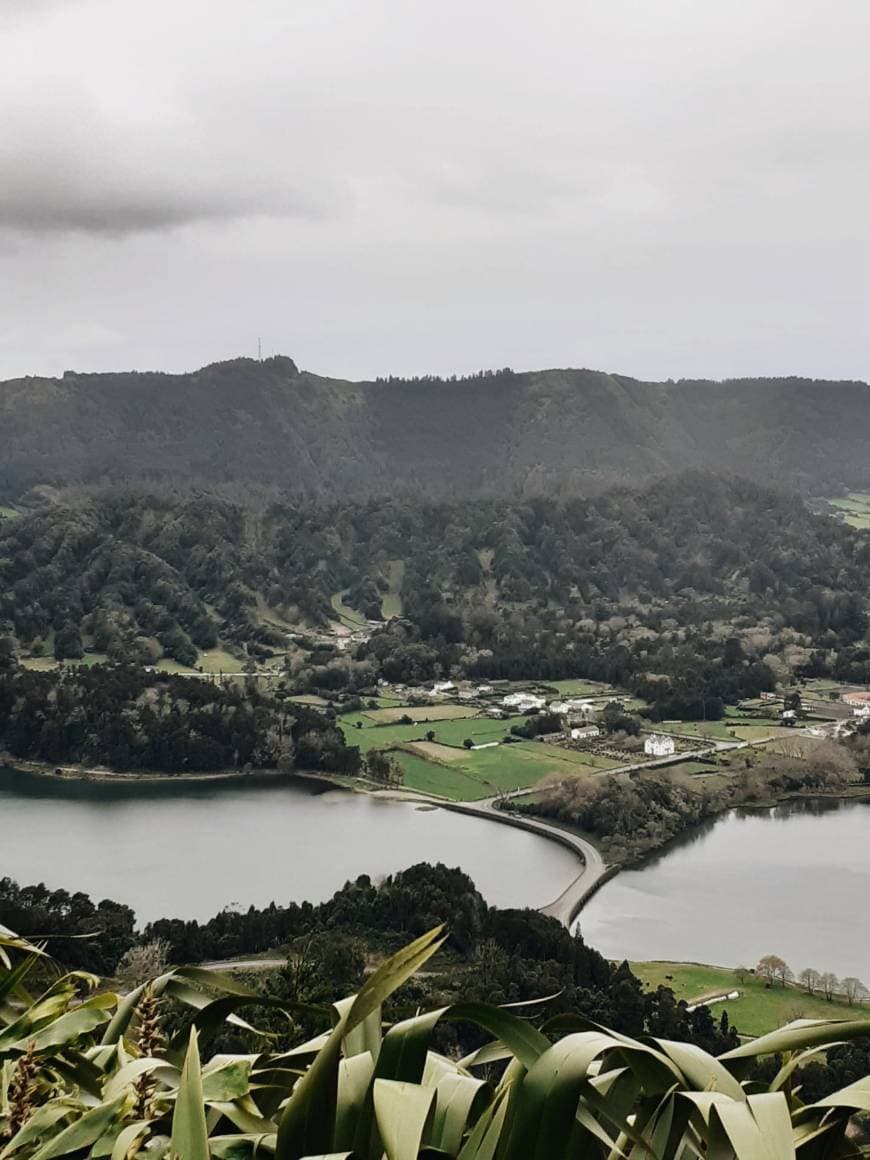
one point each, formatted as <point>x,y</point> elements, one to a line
<point>367,1092</point>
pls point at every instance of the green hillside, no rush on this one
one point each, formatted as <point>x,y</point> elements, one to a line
<point>268,423</point>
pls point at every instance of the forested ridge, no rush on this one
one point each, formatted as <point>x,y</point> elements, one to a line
<point>498,433</point>
<point>694,591</point>
<point>492,955</point>
<point>129,719</point>
<point>497,955</point>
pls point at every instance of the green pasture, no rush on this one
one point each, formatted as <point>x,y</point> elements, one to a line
<point>582,688</point>
<point>763,732</point>
<point>448,781</point>
<point>510,767</point>
<point>373,736</point>
<point>855,508</point>
<point>8,513</point>
<point>45,664</point>
<point>218,660</point>
<point>731,729</point>
<point>714,730</point>
<point>348,616</point>
<point>390,714</point>
<point>391,605</point>
<point>168,665</point>
<point>758,1010</point>
<point>475,773</point>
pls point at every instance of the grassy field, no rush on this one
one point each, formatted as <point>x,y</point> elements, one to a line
<point>217,660</point>
<point>732,729</point>
<point>8,513</point>
<point>715,730</point>
<point>370,736</point>
<point>393,713</point>
<point>581,688</point>
<point>391,605</point>
<point>504,767</point>
<point>445,781</point>
<point>349,617</point>
<point>762,732</point>
<point>758,1010</point>
<point>855,508</point>
<point>45,664</point>
<point>168,665</point>
<point>821,686</point>
<point>685,769</point>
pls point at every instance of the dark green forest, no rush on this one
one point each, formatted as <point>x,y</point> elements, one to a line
<point>545,432</point>
<point>126,718</point>
<point>504,956</point>
<point>694,592</point>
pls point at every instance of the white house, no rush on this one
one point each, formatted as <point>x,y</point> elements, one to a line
<point>443,687</point>
<point>573,708</point>
<point>523,702</point>
<point>659,745</point>
<point>585,732</point>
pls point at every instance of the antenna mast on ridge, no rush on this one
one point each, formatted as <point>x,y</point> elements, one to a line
<point>259,350</point>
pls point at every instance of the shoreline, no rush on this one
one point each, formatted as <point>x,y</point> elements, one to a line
<point>96,774</point>
<point>596,869</point>
<point>638,862</point>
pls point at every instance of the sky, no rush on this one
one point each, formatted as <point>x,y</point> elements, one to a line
<point>667,189</point>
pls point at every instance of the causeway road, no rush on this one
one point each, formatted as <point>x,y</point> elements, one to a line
<point>594,869</point>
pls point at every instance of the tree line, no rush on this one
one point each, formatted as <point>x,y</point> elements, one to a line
<point>774,969</point>
<point>127,718</point>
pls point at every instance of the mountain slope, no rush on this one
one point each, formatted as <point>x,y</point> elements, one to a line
<point>569,431</point>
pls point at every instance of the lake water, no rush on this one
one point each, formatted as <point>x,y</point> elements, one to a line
<point>187,850</point>
<point>792,881</point>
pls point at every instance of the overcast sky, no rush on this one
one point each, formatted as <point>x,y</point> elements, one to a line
<point>664,188</point>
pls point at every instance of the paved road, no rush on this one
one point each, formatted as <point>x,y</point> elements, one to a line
<point>244,964</point>
<point>594,868</point>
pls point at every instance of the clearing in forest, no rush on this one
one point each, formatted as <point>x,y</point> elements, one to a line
<point>391,605</point>
<point>855,509</point>
<point>348,616</point>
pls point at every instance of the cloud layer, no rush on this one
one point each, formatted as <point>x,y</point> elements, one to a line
<point>676,188</point>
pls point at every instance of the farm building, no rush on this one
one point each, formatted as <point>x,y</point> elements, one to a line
<point>585,732</point>
<point>659,745</point>
<point>523,702</point>
<point>573,708</point>
<point>859,703</point>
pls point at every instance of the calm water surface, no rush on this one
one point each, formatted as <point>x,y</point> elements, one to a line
<point>188,850</point>
<point>792,881</point>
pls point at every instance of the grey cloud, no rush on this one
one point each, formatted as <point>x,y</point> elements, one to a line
<point>664,189</point>
<point>44,200</point>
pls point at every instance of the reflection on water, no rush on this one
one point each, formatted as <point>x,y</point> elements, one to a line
<point>741,887</point>
<point>188,849</point>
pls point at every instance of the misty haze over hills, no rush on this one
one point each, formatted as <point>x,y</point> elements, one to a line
<point>536,432</point>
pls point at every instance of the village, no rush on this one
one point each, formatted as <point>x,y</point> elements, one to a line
<point>464,740</point>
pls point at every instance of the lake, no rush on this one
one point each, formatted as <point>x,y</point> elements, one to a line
<point>792,881</point>
<point>188,849</point>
